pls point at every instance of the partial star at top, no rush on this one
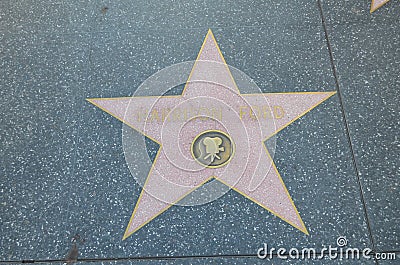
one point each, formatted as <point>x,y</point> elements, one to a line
<point>212,131</point>
<point>375,4</point>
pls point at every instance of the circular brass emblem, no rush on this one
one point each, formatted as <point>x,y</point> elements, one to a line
<point>212,148</point>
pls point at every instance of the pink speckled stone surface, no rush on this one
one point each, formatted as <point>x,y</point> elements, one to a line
<point>248,119</point>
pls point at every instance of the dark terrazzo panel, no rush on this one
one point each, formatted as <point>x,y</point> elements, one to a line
<point>125,15</point>
<point>39,118</point>
<point>85,16</point>
<point>279,59</point>
<point>149,15</point>
<point>275,260</point>
<point>31,17</point>
<point>231,260</point>
<point>122,61</point>
<point>269,14</point>
<point>79,16</point>
<point>367,57</point>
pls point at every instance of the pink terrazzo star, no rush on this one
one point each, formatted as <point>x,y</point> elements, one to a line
<point>211,101</point>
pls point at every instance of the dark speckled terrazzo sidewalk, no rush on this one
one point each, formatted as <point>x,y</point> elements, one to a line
<point>66,192</point>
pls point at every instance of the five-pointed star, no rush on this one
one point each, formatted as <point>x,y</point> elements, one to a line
<point>244,117</point>
<point>375,4</point>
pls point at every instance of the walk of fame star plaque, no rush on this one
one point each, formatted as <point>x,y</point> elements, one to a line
<point>212,132</point>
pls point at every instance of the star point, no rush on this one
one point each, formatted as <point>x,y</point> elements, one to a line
<point>375,4</point>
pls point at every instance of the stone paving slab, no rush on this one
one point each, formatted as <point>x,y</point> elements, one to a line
<point>366,56</point>
<point>39,133</point>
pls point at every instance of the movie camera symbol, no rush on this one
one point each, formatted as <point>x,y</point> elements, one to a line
<point>213,148</point>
